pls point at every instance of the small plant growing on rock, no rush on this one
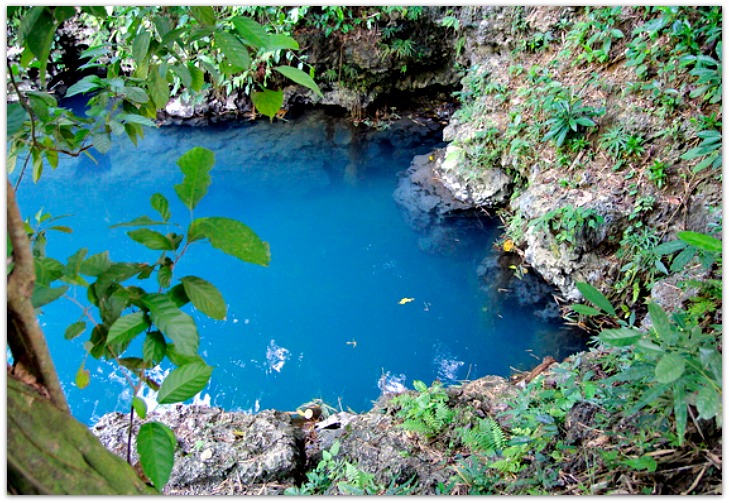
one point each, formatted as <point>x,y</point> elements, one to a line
<point>568,223</point>
<point>569,116</point>
<point>426,413</point>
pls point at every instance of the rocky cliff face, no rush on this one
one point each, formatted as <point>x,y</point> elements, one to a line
<point>499,157</point>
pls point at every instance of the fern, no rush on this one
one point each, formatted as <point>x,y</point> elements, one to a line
<point>426,413</point>
<point>487,437</point>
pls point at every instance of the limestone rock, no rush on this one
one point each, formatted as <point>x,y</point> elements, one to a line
<point>215,447</point>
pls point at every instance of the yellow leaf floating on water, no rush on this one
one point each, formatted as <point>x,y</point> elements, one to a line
<point>405,300</point>
<point>431,158</point>
<point>508,245</point>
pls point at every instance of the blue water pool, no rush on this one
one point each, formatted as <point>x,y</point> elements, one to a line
<point>324,320</point>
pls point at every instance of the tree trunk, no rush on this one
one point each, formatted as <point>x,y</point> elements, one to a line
<point>48,451</point>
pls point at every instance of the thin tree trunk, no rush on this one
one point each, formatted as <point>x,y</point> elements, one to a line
<point>31,358</point>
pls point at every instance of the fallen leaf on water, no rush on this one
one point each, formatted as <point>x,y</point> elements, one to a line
<point>405,300</point>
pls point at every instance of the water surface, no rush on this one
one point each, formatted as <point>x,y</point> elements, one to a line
<point>324,320</point>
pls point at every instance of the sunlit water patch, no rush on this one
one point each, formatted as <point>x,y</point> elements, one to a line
<point>355,302</point>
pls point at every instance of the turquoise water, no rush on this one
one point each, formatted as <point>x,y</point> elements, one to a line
<point>324,320</point>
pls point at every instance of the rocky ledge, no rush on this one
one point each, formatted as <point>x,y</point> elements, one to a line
<point>235,453</point>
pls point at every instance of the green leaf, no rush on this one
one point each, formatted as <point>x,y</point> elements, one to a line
<point>16,115</point>
<point>660,321</point>
<point>164,276</point>
<point>204,15</point>
<point>43,295</point>
<point>173,323</point>
<point>233,49</point>
<point>74,330</point>
<point>184,382</point>
<point>708,402</point>
<point>127,327</point>
<point>85,85</point>
<point>40,39</point>
<point>680,410</point>
<point>138,222</point>
<point>154,348</point>
<point>158,88</point>
<point>140,46</point>
<point>83,377</point>
<point>233,238</point>
<point>669,368</point>
<point>140,407</point>
<point>184,74</point>
<point>593,295</point>
<point>642,463</point>
<point>195,164</point>
<point>250,31</point>
<point>276,41</point>
<point>96,10</point>
<point>151,239</point>
<point>180,359</point>
<point>267,102</point>
<point>619,337</point>
<point>95,265</point>
<point>701,241</point>
<point>299,77</point>
<point>205,297</point>
<point>135,118</point>
<point>178,295</point>
<point>586,310</point>
<point>161,204</point>
<point>156,447</point>
<point>711,360</point>
<point>101,142</point>
<point>669,247</point>
<point>198,77</point>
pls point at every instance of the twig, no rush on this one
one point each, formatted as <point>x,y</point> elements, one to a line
<point>696,481</point>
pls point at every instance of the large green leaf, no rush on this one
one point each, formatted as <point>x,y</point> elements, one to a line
<point>156,447</point>
<point>619,337</point>
<point>232,237</point>
<point>43,295</point>
<point>204,15</point>
<point>301,78</point>
<point>252,33</point>
<point>593,295</point>
<point>140,46</point>
<point>173,323</point>
<point>158,88</point>
<point>184,382</point>
<point>152,239</point>
<point>233,49</point>
<point>660,321</point>
<point>701,241</point>
<point>276,41</point>
<point>85,85</point>
<point>40,39</point>
<point>16,115</point>
<point>205,297</point>
<point>127,327</point>
<point>669,368</point>
<point>195,164</point>
<point>267,102</point>
<point>96,264</point>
